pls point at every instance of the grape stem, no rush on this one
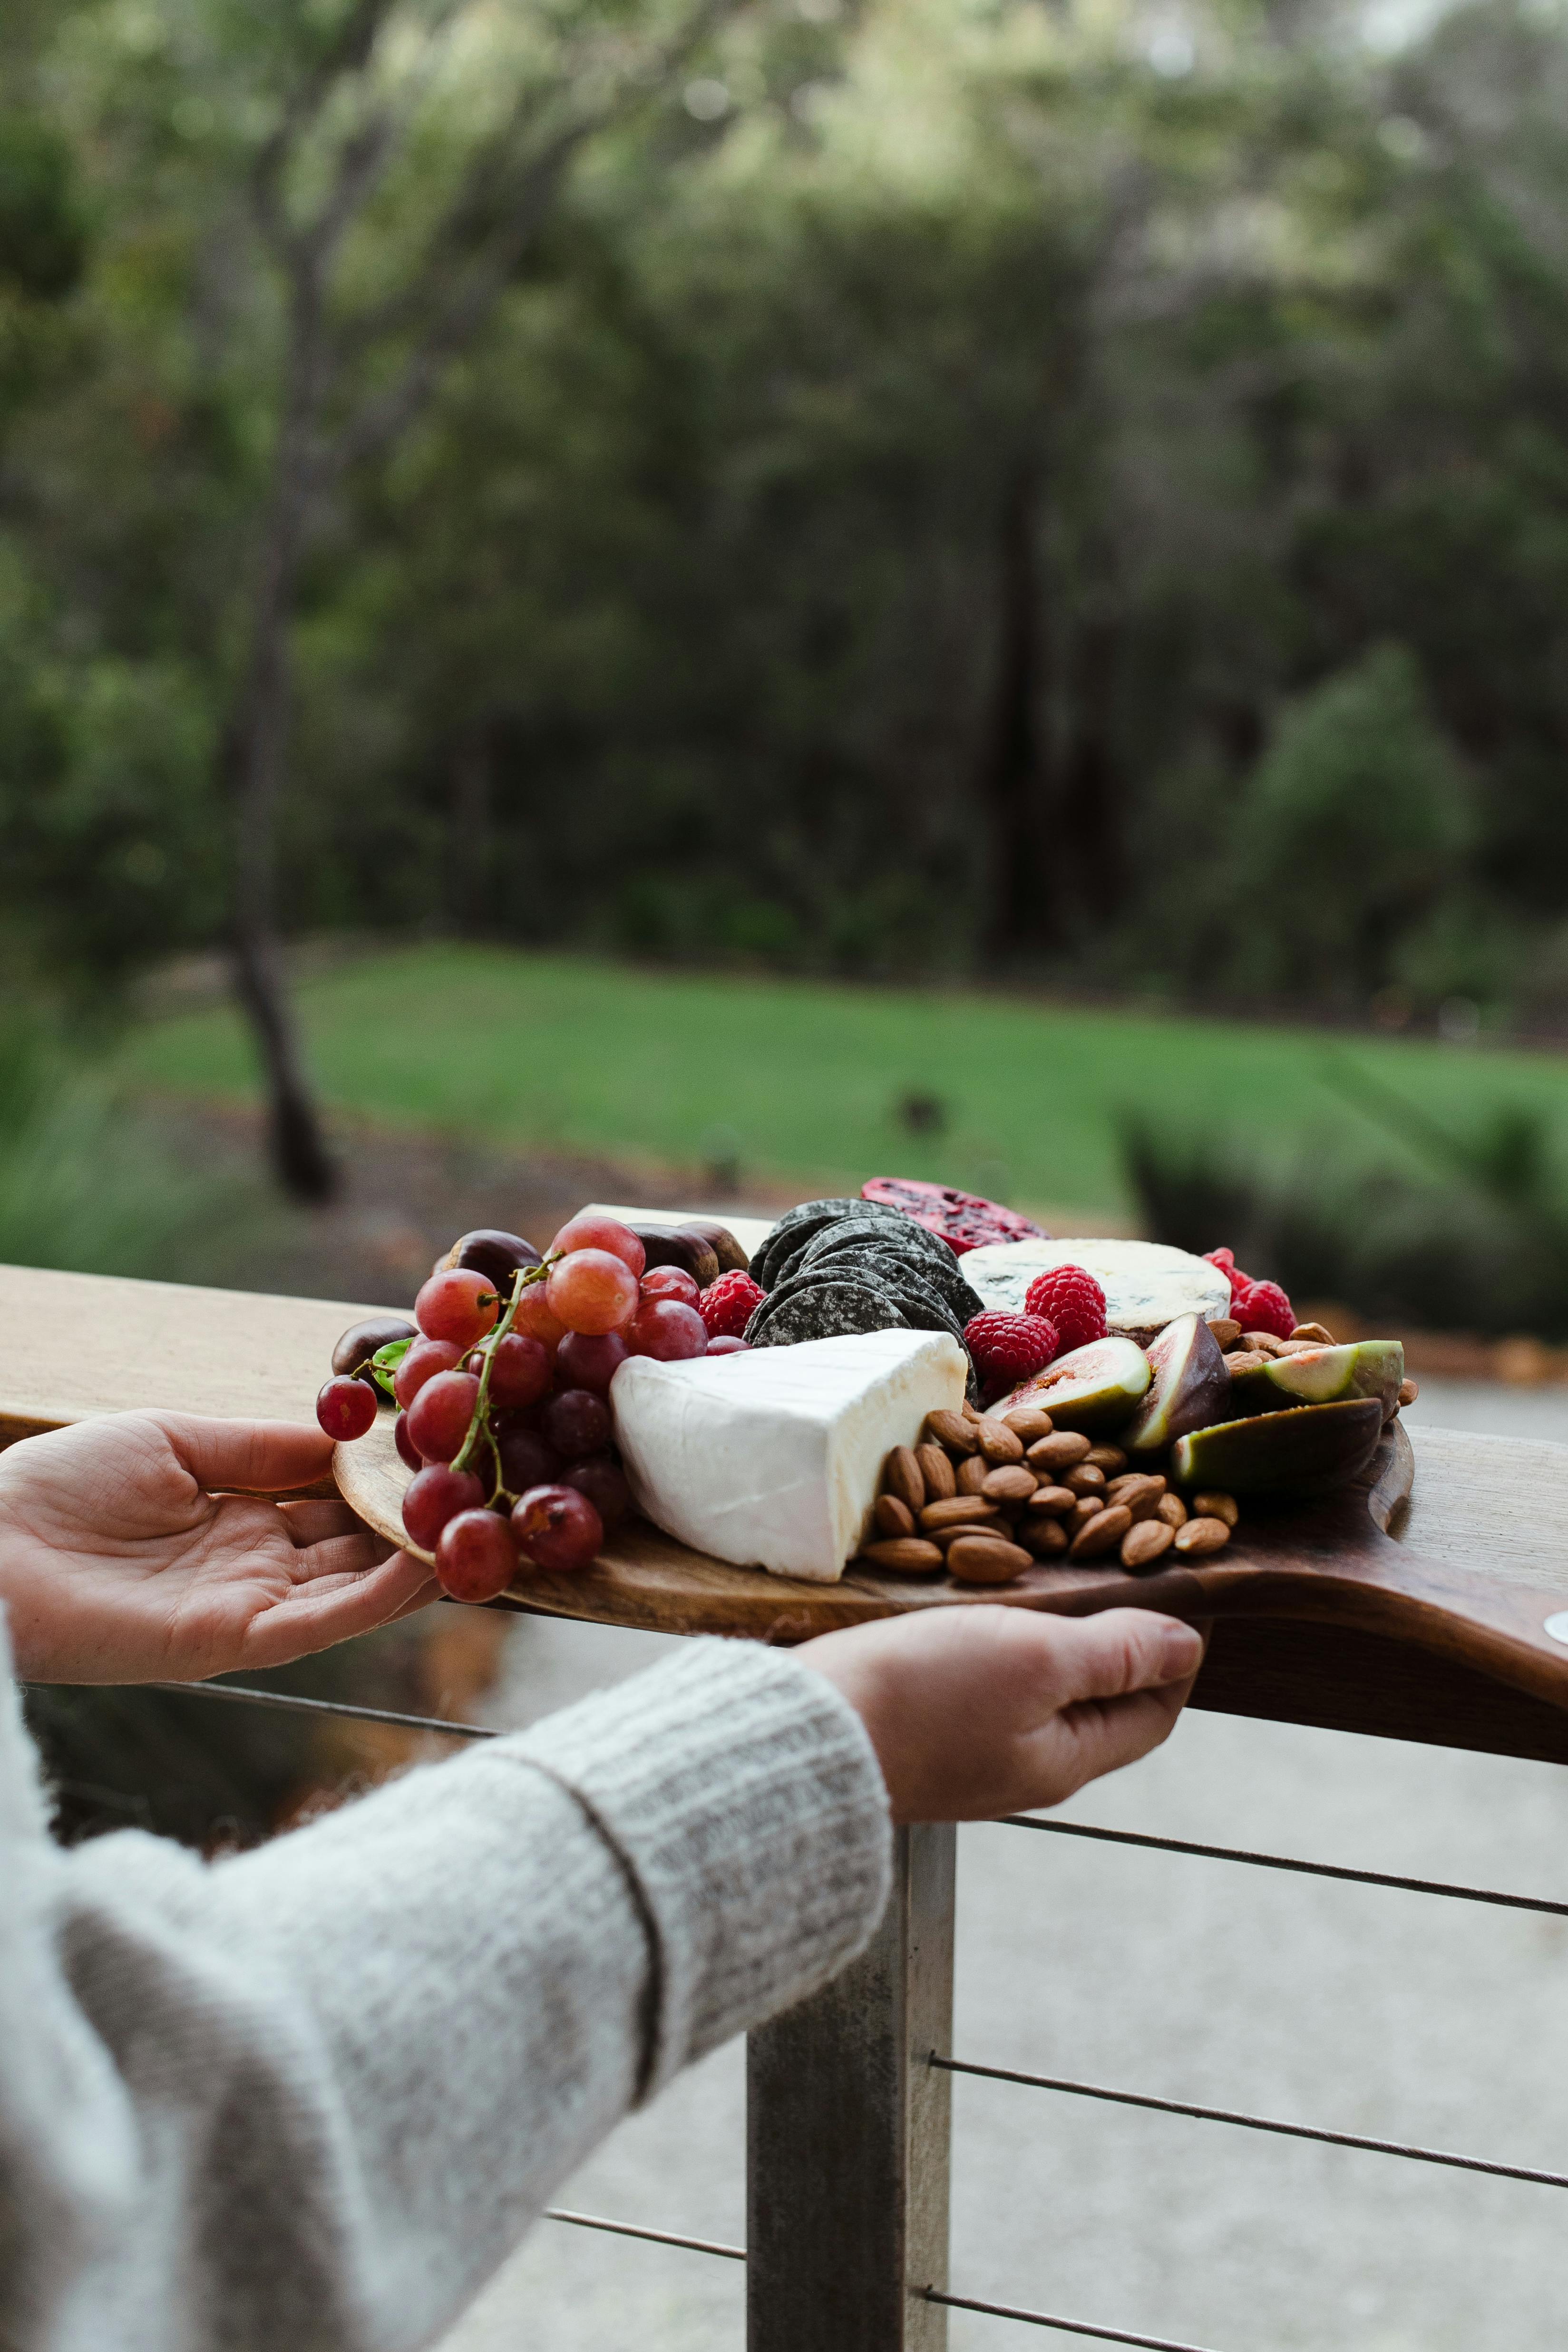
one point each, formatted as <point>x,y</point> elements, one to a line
<point>525,1275</point>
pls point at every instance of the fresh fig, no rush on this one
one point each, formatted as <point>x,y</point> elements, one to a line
<point>1360,1368</point>
<point>683,1246</point>
<point>1303,1450</point>
<point>1095,1388</point>
<point>361,1341</point>
<point>732,1258</point>
<point>496,1256</point>
<point>1189,1388</point>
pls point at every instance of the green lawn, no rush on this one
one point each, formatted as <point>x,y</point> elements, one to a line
<point>805,1077</point>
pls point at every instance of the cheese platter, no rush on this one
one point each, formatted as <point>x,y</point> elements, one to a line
<point>899,1401</point>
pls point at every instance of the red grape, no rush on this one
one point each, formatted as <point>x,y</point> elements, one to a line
<point>670,1282</point>
<point>459,1305</point>
<point>577,1423</point>
<point>439,1416</point>
<point>534,1319</point>
<point>521,1370</point>
<point>592,1291</point>
<point>526,1460</point>
<point>405,1444</point>
<point>666,1329</point>
<point>588,1231</point>
<point>590,1361</point>
<point>556,1526</point>
<point>604,1481</point>
<point>423,1362</point>
<point>345,1408</point>
<point>476,1557</point>
<point>434,1495</point>
<point>726,1345</point>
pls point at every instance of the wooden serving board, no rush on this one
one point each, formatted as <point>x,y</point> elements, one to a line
<point>1332,1562</point>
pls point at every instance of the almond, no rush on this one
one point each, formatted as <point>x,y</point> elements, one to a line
<point>1085,1507</point>
<point>1314,1332</point>
<point>986,1559</point>
<point>1010,1483</point>
<point>903,1476</point>
<point>1226,1334</point>
<point>957,1511</point>
<point>970,1412</point>
<point>1243,1358</point>
<point>1201,1536</point>
<point>937,1469</point>
<point>1172,1509</point>
<point>1060,1451</point>
<point>1263,1343</point>
<point>1215,1506</point>
<point>1028,1422</point>
<point>1409,1392</point>
<point>1085,1479</point>
<point>1043,1537</point>
<point>1144,1542</point>
<point>973,1472</point>
<point>1051,1502</point>
<point>1109,1458</point>
<point>1141,1495</point>
<point>905,1555</point>
<point>945,1537</point>
<point>997,1442</point>
<point>951,1429</point>
<point>893,1516</point>
<point>1102,1534</point>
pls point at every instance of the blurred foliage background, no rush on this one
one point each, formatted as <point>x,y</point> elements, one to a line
<point>1072,491</point>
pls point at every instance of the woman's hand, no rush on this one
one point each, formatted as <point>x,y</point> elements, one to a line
<point>978,1711</point>
<point>120,1563</point>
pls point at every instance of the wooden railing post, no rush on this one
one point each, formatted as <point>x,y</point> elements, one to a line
<point>847,2136</point>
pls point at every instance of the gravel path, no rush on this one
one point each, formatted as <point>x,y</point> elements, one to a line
<point>1375,2012</point>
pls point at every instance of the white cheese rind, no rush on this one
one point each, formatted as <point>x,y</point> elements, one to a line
<point>771,1459</point>
<point>1146,1283</point>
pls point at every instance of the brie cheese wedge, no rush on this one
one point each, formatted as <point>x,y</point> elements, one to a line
<point>772,1459</point>
<point>1146,1283</point>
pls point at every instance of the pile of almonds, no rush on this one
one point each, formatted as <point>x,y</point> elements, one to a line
<point>985,1497</point>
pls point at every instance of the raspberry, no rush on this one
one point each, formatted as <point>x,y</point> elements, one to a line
<point>728,1306</point>
<point>1068,1296</point>
<point>1226,1261</point>
<point>1263,1307</point>
<point>1007,1349</point>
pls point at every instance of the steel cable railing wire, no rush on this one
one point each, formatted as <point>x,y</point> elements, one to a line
<point>1285,1861</point>
<point>1243,2122</point>
<point>635,2229</point>
<point>1064,2326</point>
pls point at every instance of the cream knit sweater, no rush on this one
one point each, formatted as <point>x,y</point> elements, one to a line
<point>308,2099</point>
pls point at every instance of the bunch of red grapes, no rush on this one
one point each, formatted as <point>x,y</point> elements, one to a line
<point>504,1401</point>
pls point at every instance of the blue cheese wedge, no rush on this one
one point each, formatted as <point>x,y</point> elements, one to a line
<point>1146,1283</point>
<point>772,1459</point>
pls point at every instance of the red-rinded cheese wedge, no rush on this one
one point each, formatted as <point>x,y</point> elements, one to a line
<point>964,1219</point>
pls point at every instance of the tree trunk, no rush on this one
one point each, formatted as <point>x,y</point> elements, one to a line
<point>257,749</point>
<point>1014,768</point>
<point>1090,815</point>
<point>470,837</point>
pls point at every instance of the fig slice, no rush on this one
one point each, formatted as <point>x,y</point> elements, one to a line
<point>1190,1387</point>
<point>1305,1449</point>
<point>1095,1388</point>
<point>1359,1368</point>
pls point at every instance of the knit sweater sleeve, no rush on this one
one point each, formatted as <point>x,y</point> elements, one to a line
<point>313,2096</point>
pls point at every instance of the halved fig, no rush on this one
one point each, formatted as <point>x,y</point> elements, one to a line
<point>1360,1368</point>
<point>1304,1450</point>
<point>1189,1388</point>
<point>965,1220</point>
<point>1095,1388</point>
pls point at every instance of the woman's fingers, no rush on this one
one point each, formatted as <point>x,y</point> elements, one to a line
<point>1108,1656</point>
<point>1100,1736</point>
<point>313,1522</point>
<point>258,1457</point>
<point>336,1605</point>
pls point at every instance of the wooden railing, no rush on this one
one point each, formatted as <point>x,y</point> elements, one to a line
<point>848,2097</point>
